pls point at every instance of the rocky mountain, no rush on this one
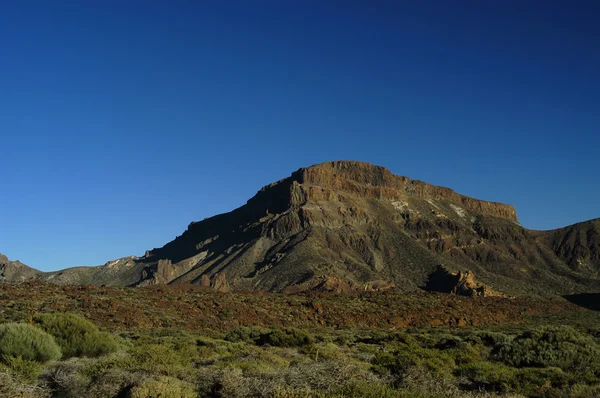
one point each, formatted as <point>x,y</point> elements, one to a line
<point>15,271</point>
<point>353,224</point>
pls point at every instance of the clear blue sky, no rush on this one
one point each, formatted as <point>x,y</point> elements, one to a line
<point>122,121</point>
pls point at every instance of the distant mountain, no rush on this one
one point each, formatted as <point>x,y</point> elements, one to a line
<point>15,271</point>
<point>358,225</point>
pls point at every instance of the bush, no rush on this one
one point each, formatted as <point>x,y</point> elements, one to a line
<point>286,338</point>
<point>76,336</point>
<point>399,361</point>
<point>501,378</point>
<point>27,342</point>
<point>24,370</point>
<point>562,347</point>
<point>244,334</point>
<point>163,387</point>
<point>10,387</point>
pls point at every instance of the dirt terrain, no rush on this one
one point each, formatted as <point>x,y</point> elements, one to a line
<point>192,307</point>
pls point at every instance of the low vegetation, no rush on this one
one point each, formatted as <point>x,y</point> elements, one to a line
<point>68,345</point>
<point>526,361</point>
<point>76,336</point>
<point>21,340</point>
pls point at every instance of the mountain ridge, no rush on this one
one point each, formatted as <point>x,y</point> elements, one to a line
<point>356,223</point>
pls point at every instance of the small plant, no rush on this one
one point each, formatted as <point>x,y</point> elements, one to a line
<point>76,336</point>
<point>27,342</point>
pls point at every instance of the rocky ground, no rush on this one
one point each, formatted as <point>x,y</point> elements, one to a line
<point>195,308</point>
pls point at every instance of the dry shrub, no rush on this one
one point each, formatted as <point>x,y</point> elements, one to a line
<point>306,379</point>
<point>163,387</point>
<point>10,387</point>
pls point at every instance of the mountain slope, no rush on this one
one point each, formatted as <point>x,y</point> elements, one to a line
<point>15,271</point>
<point>358,223</point>
<point>578,245</point>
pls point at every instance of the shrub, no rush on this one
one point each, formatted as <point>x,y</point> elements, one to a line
<point>398,362</point>
<point>584,391</point>
<point>491,339</point>
<point>66,380</point>
<point>361,389</point>
<point>24,370</point>
<point>286,338</point>
<point>501,378</point>
<point>562,347</point>
<point>163,387</point>
<point>28,342</point>
<point>163,359</point>
<point>10,387</point>
<point>76,336</point>
<point>488,376</point>
<point>244,334</point>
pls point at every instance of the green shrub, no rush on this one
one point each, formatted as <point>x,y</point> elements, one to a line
<point>28,342</point>
<point>244,334</point>
<point>501,378</point>
<point>584,391</point>
<point>562,347</point>
<point>406,356</point>
<point>163,387</point>
<point>24,370</point>
<point>76,336</point>
<point>286,338</point>
<point>361,389</point>
<point>164,358</point>
<point>488,376</point>
<point>491,339</point>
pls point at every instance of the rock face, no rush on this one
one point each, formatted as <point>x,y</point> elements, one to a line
<point>368,181</point>
<point>346,226</point>
<point>459,283</point>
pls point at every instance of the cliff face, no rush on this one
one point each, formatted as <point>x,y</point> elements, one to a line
<point>326,181</point>
<point>368,181</point>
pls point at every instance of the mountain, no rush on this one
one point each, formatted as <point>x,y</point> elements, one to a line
<point>355,224</point>
<point>15,271</point>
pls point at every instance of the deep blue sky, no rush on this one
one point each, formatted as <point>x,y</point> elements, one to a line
<point>123,121</point>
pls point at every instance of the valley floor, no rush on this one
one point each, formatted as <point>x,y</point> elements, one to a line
<point>186,341</point>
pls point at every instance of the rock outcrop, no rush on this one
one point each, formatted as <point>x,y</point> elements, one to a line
<point>368,181</point>
<point>459,283</point>
<point>218,282</point>
<point>335,285</point>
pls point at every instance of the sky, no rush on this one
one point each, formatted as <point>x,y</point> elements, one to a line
<point>123,121</point>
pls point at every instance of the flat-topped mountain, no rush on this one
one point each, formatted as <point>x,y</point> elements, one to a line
<point>355,224</point>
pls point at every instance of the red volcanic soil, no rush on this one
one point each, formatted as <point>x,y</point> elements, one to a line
<point>195,308</point>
